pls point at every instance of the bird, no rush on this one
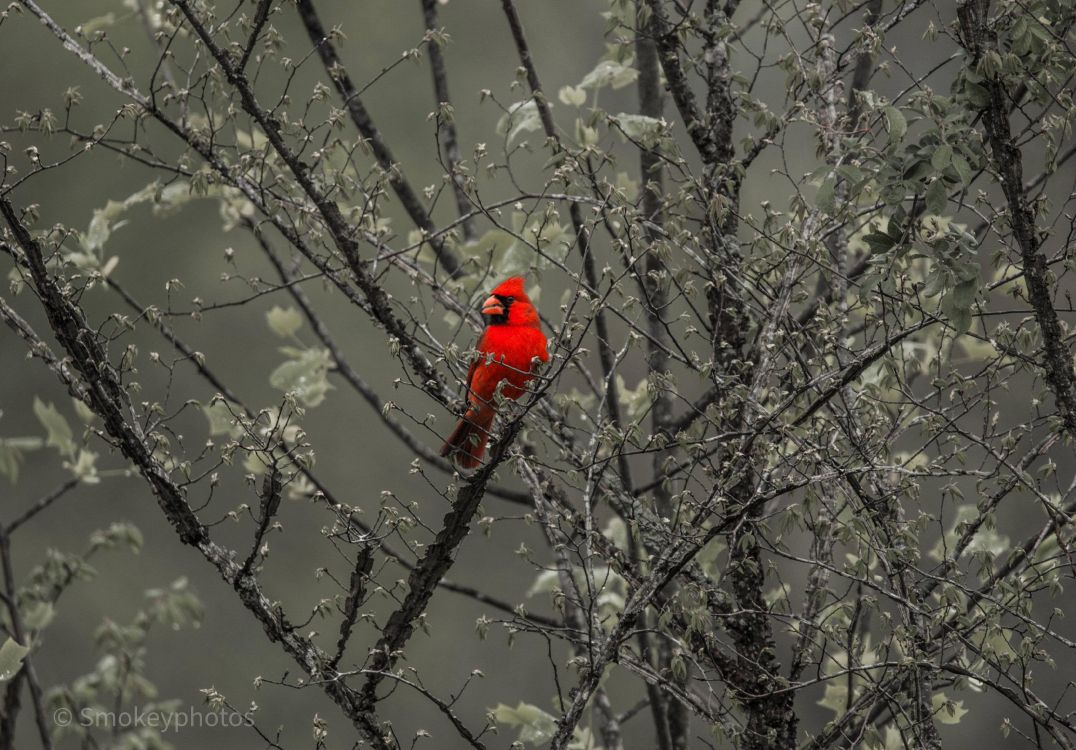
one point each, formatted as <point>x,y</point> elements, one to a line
<point>511,341</point>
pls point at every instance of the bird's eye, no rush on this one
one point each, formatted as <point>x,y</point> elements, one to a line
<point>509,300</point>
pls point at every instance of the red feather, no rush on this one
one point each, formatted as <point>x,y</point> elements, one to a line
<point>506,350</point>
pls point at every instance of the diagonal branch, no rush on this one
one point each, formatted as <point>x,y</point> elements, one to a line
<point>261,16</point>
<point>365,124</point>
<point>445,122</point>
<point>439,557</point>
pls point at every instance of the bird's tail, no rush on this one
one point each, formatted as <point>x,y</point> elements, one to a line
<point>468,440</point>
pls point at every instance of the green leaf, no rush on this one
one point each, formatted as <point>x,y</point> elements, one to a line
<point>535,725</point>
<point>490,242</point>
<point>645,130</point>
<point>98,23</point>
<point>59,432</point>
<point>609,73</point>
<point>9,461</point>
<point>100,227</point>
<point>679,667</point>
<point>11,450</point>
<point>522,117</point>
<point>573,96</point>
<point>879,242</point>
<point>918,171</point>
<point>963,169</point>
<point>116,535</point>
<point>85,467</point>
<point>895,123</point>
<point>221,419</point>
<point>963,294</point>
<point>825,197</point>
<point>39,615</point>
<point>284,322</point>
<point>517,259</point>
<point>11,655</point>
<point>544,583</point>
<point>85,413</point>
<point>105,220</point>
<point>942,157</point>
<point>956,305</point>
<point>936,198</point>
<point>959,318</point>
<point>584,134</point>
<point>628,186</point>
<point>634,400</point>
<point>997,643</point>
<point>947,711</point>
<point>978,95</point>
<point>305,375</point>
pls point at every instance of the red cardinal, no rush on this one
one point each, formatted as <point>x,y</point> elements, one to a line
<point>513,337</point>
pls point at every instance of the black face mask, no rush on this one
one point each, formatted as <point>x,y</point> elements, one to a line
<point>502,319</point>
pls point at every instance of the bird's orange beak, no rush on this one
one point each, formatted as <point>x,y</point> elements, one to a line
<point>492,306</point>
